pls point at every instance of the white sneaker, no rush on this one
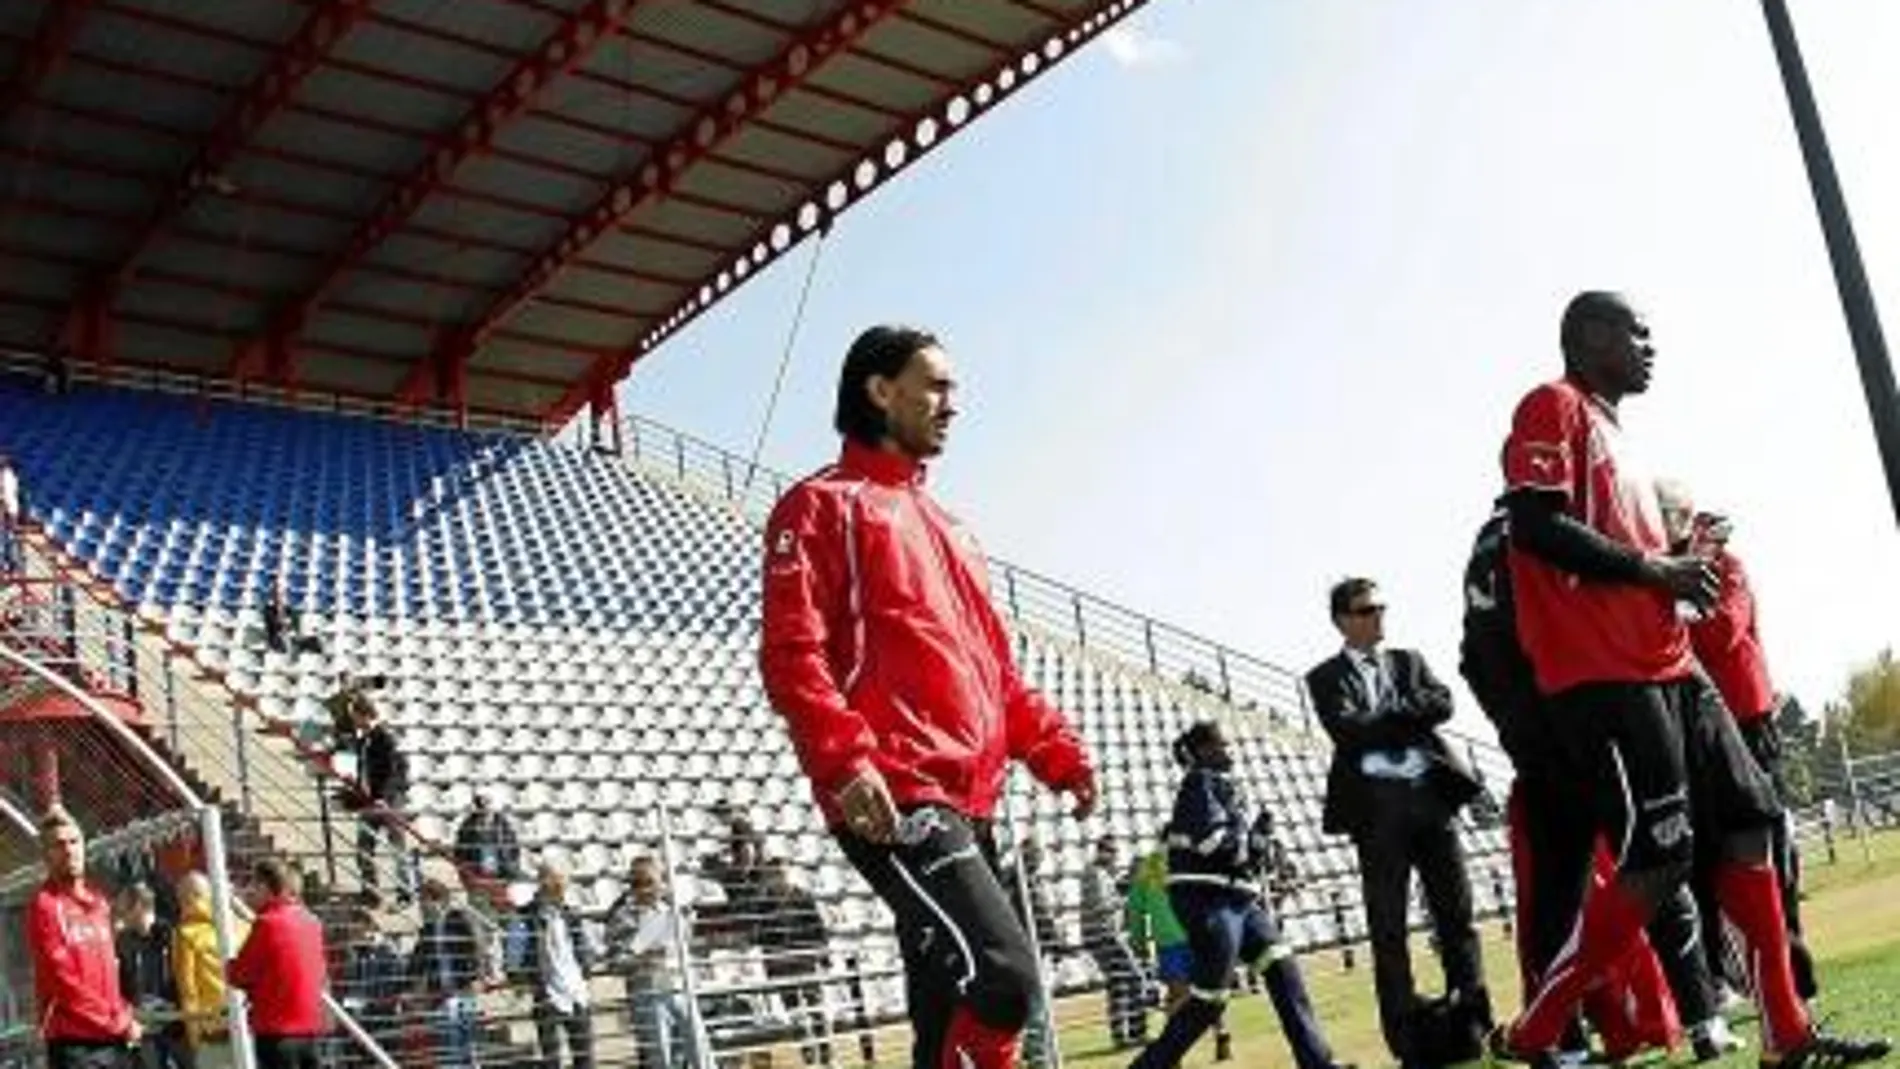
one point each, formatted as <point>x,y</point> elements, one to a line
<point>1732,1003</point>
<point>1713,1038</point>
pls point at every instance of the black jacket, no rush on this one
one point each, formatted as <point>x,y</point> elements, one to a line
<point>1216,835</point>
<point>382,771</point>
<point>1414,704</point>
<point>145,967</point>
<point>486,843</point>
<point>1491,658</point>
<point>451,945</point>
<point>792,932</point>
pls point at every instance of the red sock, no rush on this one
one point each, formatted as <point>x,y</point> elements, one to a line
<point>1612,922</point>
<point>971,1044</point>
<point>1751,898</point>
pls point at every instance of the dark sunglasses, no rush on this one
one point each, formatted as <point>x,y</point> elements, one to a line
<point>1366,610</point>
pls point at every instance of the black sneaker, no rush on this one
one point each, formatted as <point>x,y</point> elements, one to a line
<point>1824,1051</point>
<point>1223,1047</point>
<point>1498,1051</point>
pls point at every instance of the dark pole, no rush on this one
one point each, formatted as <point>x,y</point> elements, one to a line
<point>1850,275</point>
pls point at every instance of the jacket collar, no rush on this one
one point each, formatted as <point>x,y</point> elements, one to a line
<point>879,465</point>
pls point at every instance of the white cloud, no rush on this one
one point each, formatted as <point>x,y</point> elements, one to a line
<point>1132,47</point>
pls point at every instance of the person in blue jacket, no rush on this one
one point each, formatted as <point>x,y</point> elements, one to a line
<point>1217,846</point>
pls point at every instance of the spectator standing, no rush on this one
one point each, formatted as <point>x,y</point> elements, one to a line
<point>737,874</point>
<point>147,980</point>
<point>11,514</point>
<point>1104,938</point>
<point>1030,899</point>
<point>372,978</point>
<point>446,965</point>
<point>198,967</point>
<point>380,790</point>
<point>552,956</point>
<point>84,1017</point>
<point>643,933</point>
<point>486,843</point>
<point>281,968</point>
<point>797,955</point>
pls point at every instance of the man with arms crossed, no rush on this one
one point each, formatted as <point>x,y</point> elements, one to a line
<point>881,650</point>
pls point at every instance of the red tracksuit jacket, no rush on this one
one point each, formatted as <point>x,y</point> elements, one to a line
<point>282,968</point>
<point>75,968</point>
<point>1729,646</point>
<point>881,647</point>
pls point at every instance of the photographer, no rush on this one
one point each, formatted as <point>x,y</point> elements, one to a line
<point>382,782</point>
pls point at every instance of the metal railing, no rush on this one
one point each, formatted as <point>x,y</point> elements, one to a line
<point>213,387</point>
<point>1172,656</point>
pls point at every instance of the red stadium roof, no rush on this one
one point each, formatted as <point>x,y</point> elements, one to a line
<point>491,206</point>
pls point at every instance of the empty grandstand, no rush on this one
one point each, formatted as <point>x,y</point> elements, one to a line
<point>573,636</point>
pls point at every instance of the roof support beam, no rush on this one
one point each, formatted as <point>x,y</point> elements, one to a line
<point>327,23</point>
<point>952,112</point>
<point>569,46</point>
<point>700,136</point>
<point>59,24</point>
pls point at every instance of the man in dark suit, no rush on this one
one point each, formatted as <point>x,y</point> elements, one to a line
<point>1395,787</point>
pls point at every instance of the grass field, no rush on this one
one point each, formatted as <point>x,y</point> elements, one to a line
<point>1852,912</point>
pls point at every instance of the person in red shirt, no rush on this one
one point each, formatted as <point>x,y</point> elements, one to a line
<point>1727,642</point>
<point>1597,592</point>
<point>84,1018</point>
<point>894,675</point>
<point>282,969</point>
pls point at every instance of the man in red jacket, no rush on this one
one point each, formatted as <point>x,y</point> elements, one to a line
<point>895,678</point>
<point>1727,643</point>
<point>84,1019</point>
<point>282,969</point>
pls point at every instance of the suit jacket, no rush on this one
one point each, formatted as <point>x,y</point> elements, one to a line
<point>1413,705</point>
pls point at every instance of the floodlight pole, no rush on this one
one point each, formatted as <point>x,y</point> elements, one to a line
<point>1850,274</point>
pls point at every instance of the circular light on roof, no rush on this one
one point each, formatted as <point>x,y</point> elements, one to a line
<point>925,134</point>
<point>808,216</point>
<point>837,195</point>
<point>866,174</point>
<point>958,110</point>
<point>896,153</point>
<point>983,95</point>
<point>1030,64</point>
<point>1006,79</point>
<point>781,237</point>
<point>703,134</point>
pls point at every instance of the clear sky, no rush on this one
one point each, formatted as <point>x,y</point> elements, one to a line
<point>1243,299</point>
